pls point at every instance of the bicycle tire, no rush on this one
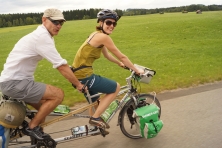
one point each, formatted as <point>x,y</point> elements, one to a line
<point>128,124</point>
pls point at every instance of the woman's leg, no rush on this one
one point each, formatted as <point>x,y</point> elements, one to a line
<point>105,102</point>
<point>93,109</point>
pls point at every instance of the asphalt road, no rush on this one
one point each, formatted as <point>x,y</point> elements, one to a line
<point>192,119</point>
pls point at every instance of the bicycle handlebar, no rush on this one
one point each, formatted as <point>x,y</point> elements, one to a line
<point>147,73</point>
<point>139,75</point>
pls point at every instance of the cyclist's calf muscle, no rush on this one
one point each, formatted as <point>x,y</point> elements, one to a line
<point>52,97</point>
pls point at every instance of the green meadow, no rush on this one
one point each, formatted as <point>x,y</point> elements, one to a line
<point>184,49</point>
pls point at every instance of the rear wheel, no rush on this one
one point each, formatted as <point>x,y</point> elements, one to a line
<point>128,124</point>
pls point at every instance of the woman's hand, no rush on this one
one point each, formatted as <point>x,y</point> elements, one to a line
<point>139,71</point>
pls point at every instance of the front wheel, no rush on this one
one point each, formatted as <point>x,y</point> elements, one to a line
<point>128,124</point>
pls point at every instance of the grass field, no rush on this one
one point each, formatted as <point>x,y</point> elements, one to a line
<point>184,49</point>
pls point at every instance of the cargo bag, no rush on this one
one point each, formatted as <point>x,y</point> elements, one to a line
<point>148,120</point>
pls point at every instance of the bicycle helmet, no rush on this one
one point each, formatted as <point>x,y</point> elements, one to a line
<point>106,13</point>
<point>12,113</point>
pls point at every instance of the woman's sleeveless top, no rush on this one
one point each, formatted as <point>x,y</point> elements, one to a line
<point>85,56</point>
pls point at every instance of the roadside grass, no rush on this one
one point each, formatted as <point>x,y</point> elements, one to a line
<point>184,49</point>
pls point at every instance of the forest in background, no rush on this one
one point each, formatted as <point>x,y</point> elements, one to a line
<point>22,19</point>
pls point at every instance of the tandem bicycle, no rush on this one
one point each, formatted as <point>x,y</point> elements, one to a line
<point>131,99</point>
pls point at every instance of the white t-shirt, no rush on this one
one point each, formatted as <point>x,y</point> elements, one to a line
<point>27,52</point>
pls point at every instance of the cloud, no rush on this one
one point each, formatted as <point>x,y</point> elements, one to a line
<point>27,6</point>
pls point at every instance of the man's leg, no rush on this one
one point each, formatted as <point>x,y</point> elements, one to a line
<point>37,107</point>
<point>52,97</point>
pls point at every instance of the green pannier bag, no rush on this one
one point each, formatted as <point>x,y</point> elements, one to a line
<point>152,129</point>
<point>148,120</point>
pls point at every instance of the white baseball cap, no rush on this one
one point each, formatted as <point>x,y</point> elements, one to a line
<point>54,14</point>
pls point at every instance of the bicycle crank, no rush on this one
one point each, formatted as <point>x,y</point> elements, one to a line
<point>46,143</point>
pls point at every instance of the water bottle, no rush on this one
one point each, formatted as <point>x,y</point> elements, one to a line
<point>109,111</point>
<point>79,130</point>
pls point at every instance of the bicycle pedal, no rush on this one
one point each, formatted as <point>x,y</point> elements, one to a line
<point>103,132</point>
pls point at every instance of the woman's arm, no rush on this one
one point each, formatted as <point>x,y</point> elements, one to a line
<point>104,39</point>
<point>109,44</point>
<point>111,58</point>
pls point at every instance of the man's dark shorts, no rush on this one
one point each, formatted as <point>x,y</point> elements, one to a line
<point>98,84</point>
<point>25,90</point>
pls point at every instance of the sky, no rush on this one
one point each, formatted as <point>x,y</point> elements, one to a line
<point>38,6</point>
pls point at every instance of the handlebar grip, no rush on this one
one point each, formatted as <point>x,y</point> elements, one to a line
<point>83,88</point>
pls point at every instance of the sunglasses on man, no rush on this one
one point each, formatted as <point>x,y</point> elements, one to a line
<point>56,22</point>
<point>109,23</point>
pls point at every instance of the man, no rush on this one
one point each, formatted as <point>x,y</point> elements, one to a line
<point>16,80</point>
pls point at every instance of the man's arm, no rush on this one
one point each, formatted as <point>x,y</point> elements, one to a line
<point>69,75</point>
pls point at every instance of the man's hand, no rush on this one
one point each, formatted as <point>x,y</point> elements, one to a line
<point>81,88</point>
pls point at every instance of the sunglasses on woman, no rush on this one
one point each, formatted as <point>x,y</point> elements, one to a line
<point>109,23</point>
<point>56,22</point>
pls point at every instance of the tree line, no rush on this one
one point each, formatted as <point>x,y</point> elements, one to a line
<point>190,8</point>
<point>10,20</point>
<point>21,19</point>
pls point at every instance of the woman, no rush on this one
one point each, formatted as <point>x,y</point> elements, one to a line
<point>100,42</point>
